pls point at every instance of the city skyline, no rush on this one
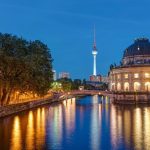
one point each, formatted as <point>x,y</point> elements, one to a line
<point>67,29</point>
<point>75,75</point>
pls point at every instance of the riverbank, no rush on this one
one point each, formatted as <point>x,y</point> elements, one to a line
<point>16,108</point>
<point>131,102</point>
<point>132,98</point>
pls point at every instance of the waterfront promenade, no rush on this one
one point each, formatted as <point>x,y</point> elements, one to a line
<point>48,99</point>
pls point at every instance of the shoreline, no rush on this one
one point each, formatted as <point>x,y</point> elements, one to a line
<point>16,108</point>
<point>131,102</point>
<point>11,109</point>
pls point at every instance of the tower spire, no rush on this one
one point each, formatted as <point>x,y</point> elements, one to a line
<point>94,45</point>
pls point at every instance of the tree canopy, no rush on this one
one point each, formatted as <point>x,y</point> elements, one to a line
<point>24,66</point>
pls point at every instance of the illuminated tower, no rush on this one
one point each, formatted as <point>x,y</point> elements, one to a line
<point>94,53</point>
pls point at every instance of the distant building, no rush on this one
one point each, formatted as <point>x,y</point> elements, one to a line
<point>64,75</point>
<point>94,78</point>
<point>54,75</point>
<point>105,79</point>
<point>94,85</point>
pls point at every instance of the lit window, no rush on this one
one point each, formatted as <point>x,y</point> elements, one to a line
<point>137,86</point>
<point>113,86</point>
<point>126,86</point>
<point>147,75</point>
<point>118,76</point>
<point>126,76</point>
<point>147,86</point>
<point>118,86</point>
<point>136,75</point>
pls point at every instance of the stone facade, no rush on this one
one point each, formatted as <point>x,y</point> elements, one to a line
<point>131,79</point>
<point>136,78</point>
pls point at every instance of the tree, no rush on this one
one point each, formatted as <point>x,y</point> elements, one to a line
<point>76,83</point>
<point>24,67</point>
<point>66,83</point>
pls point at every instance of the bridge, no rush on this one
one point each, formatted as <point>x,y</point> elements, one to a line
<point>90,92</point>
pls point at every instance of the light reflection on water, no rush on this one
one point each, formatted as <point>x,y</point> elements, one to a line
<point>90,123</point>
<point>16,134</point>
<point>95,124</point>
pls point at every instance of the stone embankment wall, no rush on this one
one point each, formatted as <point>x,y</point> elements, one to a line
<point>15,108</point>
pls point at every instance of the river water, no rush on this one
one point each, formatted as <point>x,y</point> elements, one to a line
<point>89,123</point>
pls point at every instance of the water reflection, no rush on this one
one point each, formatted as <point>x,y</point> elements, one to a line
<point>30,132</point>
<point>127,127</point>
<point>55,128</point>
<point>114,128</point>
<point>138,128</point>
<point>95,123</point>
<point>69,112</point>
<point>16,135</point>
<point>91,123</point>
<point>40,127</point>
<point>147,127</point>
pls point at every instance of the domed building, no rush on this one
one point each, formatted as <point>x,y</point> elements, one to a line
<point>132,76</point>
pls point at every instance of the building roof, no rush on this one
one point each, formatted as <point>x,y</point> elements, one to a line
<point>141,46</point>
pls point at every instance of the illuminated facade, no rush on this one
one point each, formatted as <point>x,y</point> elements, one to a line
<point>133,74</point>
<point>130,79</point>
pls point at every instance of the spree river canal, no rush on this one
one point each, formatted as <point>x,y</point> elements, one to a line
<point>89,123</point>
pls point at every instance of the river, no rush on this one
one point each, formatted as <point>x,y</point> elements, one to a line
<point>89,123</point>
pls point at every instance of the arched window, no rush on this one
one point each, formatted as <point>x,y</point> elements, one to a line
<point>113,86</point>
<point>126,86</point>
<point>147,86</point>
<point>137,86</point>
<point>118,86</point>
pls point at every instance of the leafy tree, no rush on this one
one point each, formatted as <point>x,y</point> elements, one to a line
<point>56,87</point>
<point>66,83</point>
<point>76,83</point>
<point>24,67</point>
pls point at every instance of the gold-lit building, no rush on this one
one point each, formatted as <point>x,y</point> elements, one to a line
<point>133,73</point>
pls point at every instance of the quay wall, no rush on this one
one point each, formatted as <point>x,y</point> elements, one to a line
<point>15,108</point>
<point>131,98</point>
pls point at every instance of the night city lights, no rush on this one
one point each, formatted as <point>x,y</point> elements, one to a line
<point>75,75</point>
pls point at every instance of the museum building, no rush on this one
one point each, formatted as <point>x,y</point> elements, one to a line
<point>133,73</point>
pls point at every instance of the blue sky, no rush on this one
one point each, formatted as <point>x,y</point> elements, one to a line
<point>66,26</point>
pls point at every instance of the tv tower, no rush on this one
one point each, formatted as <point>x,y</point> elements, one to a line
<point>94,53</point>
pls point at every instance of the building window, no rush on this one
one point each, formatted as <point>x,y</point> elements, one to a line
<point>137,86</point>
<point>136,75</point>
<point>147,75</point>
<point>147,86</point>
<point>126,76</point>
<point>113,86</point>
<point>126,86</point>
<point>118,76</point>
<point>118,86</point>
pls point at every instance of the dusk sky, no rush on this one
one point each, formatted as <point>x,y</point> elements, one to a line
<point>66,26</point>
